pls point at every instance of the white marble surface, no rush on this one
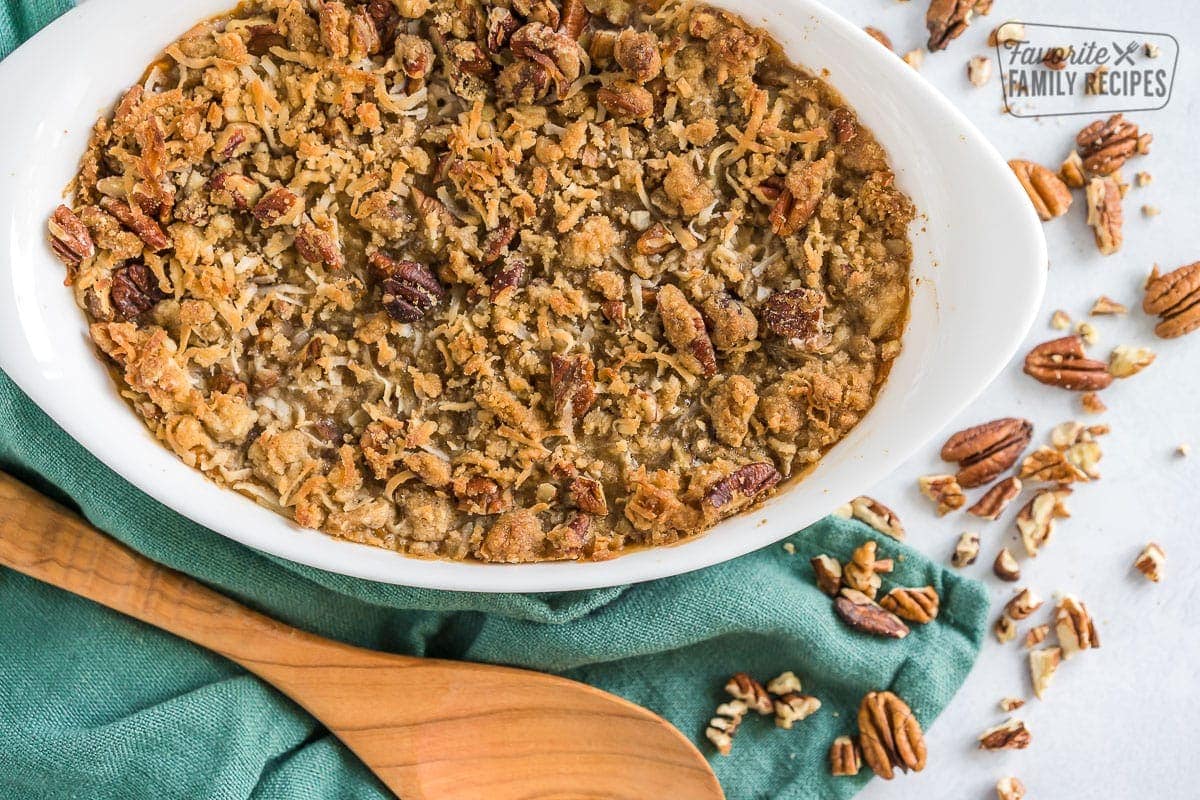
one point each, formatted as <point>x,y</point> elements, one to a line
<point>1117,722</point>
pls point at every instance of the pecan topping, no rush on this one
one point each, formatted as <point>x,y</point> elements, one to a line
<point>889,735</point>
<point>914,605</point>
<point>638,55</point>
<point>943,490</point>
<point>796,315</point>
<point>966,550</point>
<point>409,289</point>
<point>793,707</point>
<point>746,482</point>
<point>828,571</point>
<point>588,494</point>
<point>863,614</point>
<point>1042,666</point>
<point>684,328</point>
<point>318,247</point>
<point>470,58</point>
<point>69,238</point>
<point>844,757</point>
<point>135,290</point>
<point>558,53</point>
<point>1104,214</point>
<point>523,82</point>
<point>1011,735</point>
<point>1005,566</point>
<point>986,450</point>
<point>844,125</point>
<point>997,498</point>
<point>626,100</point>
<point>1074,626</point>
<point>745,688</point>
<point>1150,561</point>
<point>946,20</point>
<point>275,205</point>
<point>878,516</point>
<point>146,229</point>
<point>497,242</point>
<point>1106,144</point>
<point>1062,362</point>
<point>572,385</point>
<point>262,38</point>
<point>511,274</point>
<point>979,72</point>
<point>501,24</point>
<point>480,495</point>
<point>1050,196</point>
<point>804,186</point>
<point>1035,522</point>
<point>860,573</point>
<point>1175,298</point>
<point>656,240</point>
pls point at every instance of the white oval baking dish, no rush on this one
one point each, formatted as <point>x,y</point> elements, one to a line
<point>978,277</point>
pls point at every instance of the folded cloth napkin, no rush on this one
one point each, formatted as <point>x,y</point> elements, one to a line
<point>96,705</point>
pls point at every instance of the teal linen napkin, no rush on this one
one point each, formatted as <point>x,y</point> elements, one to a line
<point>95,705</point>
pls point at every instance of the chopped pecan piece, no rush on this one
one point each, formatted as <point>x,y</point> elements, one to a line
<point>796,315</point>
<point>1036,635</point>
<point>878,516</point>
<point>745,483</point>
<point>69,238</point>
<point>656,240</point>
<point>684,329</point>
<point>1005,566</point>
<point>1042,666</point>
<point>804,187</point>
<point>1150,561</point>
<point>626,100</point>
<point>479,495</point>
<point>828,571</point>
<point>889,735</point>
<point>1175,299</point>
<point>793,707</point>
<point>722,727</point>
<point>135,290</point>
<point>1009,704</point>
<point>966,550</point>
<point>943,490</point>
<point>1106,305</point>
<point>1104,214</point>
<point>1035,522</point>
<point>1127,361</point>
<point>1010,789</point>
<point>860,572</point>
<point>275,205</point>
<point>845,758</point>
<point>997,498</point>
<point>1005,629</point>
<point>497,241</point>
<point>1106,144</point>
<point>501,24</point>
<point>572,385</point>
<point>410,290</point>
<point>556,51</point>
<point>523,82</point>
<point>946,20</point>
<point>146,229</point>
<point>1011,735</point>
<point>986,450</point>
<point>979,71</point>
<point>1071,171</point>
<point>1050,196</point>
<point>1022,604</point>
<point>863,614</point>
<point>783,683</point>
<point>317,246</point>
<point>262,38</point>
<point>1074,626</point>
<point>638,54</point>
<point>914,605</point>
<point>1062,362</point>
<point>1051,465</point>
<point>588,494</point>
<point>510,275</point>
<point>745,688</point>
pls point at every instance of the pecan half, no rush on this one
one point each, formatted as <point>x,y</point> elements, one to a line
<point>1105,215</point>
<point>143,226</point>
<point>275,205</point>
<point>1062,362</point>
<point>828,571</point>
<point>997,498</point>
<point>684,329</point>
<point>845,758</point>
<point>745,688</point>
<point>878,516</point>
<point>863,614</point>
<point>914,605</point>
<point>1050,196</point>
<point>1011,735</point>
<point>135,290</point>
<point>796,315</point>
<point>946,20</point>
<point>572,385</point>
<point>986,450</point>
<point>409,290</point>
<point>588,494</point>
<point>1175,298</point>
<point>745,482</point>
<point>1106,144</point>
<point>69,238</point>
<point>889,735</point>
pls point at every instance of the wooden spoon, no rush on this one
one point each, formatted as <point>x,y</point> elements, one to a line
<point>442,730</point>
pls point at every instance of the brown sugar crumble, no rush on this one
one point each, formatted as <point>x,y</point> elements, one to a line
<point>506,281</point>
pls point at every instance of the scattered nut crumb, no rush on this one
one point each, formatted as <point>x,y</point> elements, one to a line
<point>1094,83</point>
<point>828,571</point>
<point>1126,361</point>
<point>1010,789</point>
<point>1087,331</point>
<point>1183,450</point>
<point>1005,629</point>
<point>1151,50</point>
<point>1010,735</point>
<point>914,58</point>
<point>1092,403</point>
<point>1150,561</point>
<point>879,36</point>
<point>1042,666</point>
<point>789,548</point>
<point>1143,178</point>
<point>1150,211</point>
<point>1009,704</point>
<point>1060,320</point>
<point>1055,58</point>
<point>1105,305</point>
<point>1022,604</point>
<point>979,70</point>
<point>966,550</point>
<point>1035,522</point>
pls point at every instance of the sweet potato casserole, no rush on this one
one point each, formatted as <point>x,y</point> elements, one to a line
<point>510,281</point>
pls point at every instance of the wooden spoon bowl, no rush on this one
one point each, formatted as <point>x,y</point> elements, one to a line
<point>429,728</point>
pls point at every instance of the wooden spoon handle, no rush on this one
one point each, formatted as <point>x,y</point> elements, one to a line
<point>46,541</point>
